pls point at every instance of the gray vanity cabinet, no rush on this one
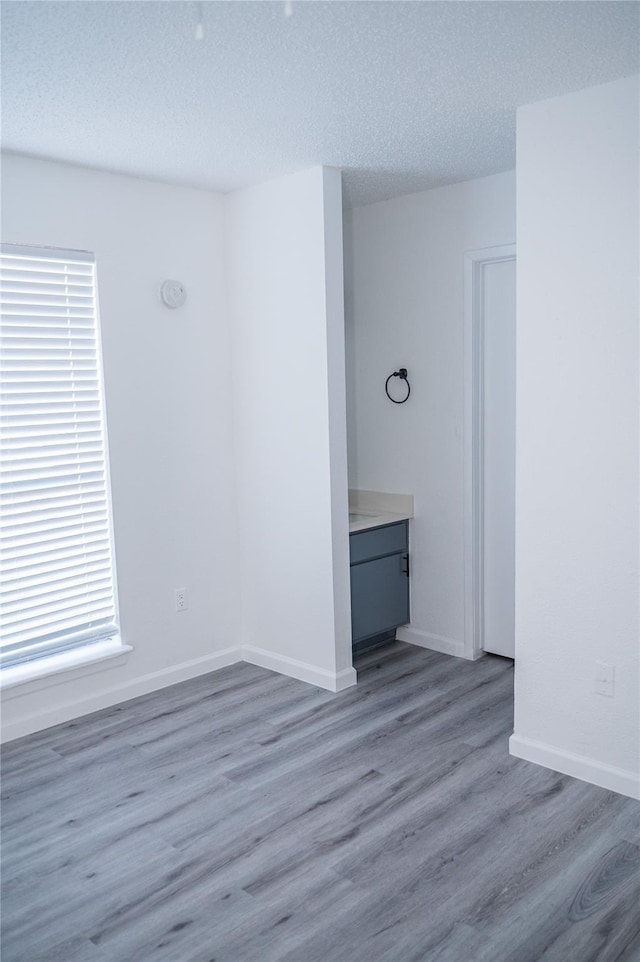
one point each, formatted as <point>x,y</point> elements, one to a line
<point>379,583</point>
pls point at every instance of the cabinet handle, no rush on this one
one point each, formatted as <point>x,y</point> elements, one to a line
<point>405,565</point>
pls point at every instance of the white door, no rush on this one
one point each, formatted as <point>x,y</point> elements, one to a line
<point>498,376</point>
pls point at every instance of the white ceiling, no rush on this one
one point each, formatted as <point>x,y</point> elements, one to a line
<point>402,95</point>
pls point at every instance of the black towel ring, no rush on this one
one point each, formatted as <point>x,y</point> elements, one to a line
<point>402,374</point>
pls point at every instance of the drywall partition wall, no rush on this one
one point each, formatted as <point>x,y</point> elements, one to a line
<point>337,405</point>
<point>404,286</point>
<point>168,394</point>
<point>285,300</point>
<point>577,483</point>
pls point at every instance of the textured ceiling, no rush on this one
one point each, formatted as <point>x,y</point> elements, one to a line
<point>402,95</point>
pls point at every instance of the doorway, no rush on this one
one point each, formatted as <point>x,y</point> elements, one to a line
<point>490,292</point>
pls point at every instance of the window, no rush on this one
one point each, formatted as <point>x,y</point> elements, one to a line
<point>56,553</point>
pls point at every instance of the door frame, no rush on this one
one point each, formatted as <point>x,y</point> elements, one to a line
<point>475,263</point>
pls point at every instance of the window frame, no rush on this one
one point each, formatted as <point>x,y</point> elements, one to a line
<point>21,661</point>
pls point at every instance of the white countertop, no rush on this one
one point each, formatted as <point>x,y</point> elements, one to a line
<point>362,522</point>
<point>372,509</point>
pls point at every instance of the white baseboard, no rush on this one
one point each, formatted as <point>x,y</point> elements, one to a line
<point>331,681</point>
<point>425,639</point>
<point>118,693</point>
<point>597,773</point>
<point>153,681</point>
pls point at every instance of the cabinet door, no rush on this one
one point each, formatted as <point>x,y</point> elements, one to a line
<point>390,539</point>
<point>379,595</point>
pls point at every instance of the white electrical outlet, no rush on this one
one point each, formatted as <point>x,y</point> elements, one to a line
<point>181,599</point>
<point>604,679</point>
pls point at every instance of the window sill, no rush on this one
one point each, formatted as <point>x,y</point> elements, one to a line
<point>64,661</point>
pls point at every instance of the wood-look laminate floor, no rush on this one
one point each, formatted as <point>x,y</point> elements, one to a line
<point>246,816</point>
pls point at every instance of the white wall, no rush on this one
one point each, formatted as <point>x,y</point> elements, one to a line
<point>405,307</point>
<point>285,299</point>
<point>168,389</point>
<point>577,578</point>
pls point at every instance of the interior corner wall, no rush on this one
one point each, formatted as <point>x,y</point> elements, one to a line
<point>285,301</point>
<point>404,292</point>
<point>168,399</point>
<point>577,480</point>
<point>337,406</point>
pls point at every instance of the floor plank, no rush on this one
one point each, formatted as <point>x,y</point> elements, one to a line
<point>246,816</point>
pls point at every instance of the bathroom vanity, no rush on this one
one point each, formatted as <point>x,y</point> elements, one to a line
<point>379,568</point>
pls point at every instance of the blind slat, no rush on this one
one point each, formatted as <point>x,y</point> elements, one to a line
<point>56,561</point>
<point>33,631</point>
<point>59,507</point>
<point>26,497</point>
<point>53,448</point>
<point>36,585</point>
<point>35,610</point>
<point>41,538</point>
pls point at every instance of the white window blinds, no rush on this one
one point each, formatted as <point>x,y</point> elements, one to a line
<point>56,559</point>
